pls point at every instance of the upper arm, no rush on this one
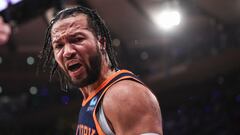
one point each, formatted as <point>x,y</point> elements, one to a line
<point>132,109</point>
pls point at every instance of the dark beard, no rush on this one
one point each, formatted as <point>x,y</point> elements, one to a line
<point>93,72</point>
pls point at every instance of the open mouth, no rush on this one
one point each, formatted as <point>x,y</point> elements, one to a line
<point>74,67</point>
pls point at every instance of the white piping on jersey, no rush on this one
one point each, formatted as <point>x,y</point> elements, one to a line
<point>103,121</point>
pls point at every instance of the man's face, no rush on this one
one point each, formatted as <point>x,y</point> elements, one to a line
<point>76,50</point>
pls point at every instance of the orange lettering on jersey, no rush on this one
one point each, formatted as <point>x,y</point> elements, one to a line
<point>85,130</point>
<point>93,132</point>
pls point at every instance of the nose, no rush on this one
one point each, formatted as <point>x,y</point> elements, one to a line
<point>69,51</point>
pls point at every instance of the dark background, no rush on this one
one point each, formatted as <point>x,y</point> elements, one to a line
<point>192,69</point>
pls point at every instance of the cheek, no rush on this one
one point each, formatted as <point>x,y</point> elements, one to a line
<point>59,59</point>
<point>88,55</point>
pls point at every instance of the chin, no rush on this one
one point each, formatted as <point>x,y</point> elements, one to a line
<point>80,83</point>
<point>84,82</point>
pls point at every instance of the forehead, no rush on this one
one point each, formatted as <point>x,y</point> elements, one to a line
<point>70,23</point>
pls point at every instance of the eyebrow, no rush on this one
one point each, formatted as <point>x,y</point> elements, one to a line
<point>72,34</point>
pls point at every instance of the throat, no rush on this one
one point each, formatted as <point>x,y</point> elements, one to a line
<point>95,87</point>
<point>90,89</point>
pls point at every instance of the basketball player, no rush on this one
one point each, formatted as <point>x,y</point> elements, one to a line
<point>78,48</point>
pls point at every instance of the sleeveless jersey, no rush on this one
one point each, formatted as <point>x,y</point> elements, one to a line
<point>87,121</point>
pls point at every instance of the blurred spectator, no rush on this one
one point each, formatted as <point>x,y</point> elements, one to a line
<point>5,31</point>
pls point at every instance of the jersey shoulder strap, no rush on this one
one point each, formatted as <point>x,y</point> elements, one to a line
<point>98,115</point>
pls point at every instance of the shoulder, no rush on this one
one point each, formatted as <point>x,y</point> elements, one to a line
<point>131,92</point>
<point>131,104</point>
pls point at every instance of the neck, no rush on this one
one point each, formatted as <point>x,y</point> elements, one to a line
<point>104,74</point>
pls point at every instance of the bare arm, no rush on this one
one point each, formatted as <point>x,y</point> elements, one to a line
<point>132,109</point>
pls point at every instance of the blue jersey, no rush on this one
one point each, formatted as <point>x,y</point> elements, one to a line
<point>87,121</point>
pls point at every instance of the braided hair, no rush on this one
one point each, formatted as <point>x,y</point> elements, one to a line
<point>95,22</point>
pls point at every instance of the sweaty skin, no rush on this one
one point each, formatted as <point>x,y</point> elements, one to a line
<point>73,42</point>
<point>130,107</point>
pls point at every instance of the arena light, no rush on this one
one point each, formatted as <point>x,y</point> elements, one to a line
<point>30,60</point>
<point>5,3</point>
<point>167,19</point>
<point>1,60</point>
<point>15,1</point>
<point>1,89</point>
<point>33,90</point>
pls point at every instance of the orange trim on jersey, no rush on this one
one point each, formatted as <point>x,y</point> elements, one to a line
<point>84,102</point>
<point>98,127</point>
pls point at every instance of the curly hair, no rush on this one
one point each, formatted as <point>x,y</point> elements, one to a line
<point>98,27</point>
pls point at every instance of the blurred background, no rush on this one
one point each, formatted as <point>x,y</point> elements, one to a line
<point>186,51</point>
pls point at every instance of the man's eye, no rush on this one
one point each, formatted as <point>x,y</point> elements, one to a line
<point>76,40</point>
<point>58,46</point>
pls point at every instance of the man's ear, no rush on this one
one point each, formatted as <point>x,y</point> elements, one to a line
<point>102,42</point>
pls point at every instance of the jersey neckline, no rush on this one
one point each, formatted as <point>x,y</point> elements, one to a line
<point>93,93</point>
